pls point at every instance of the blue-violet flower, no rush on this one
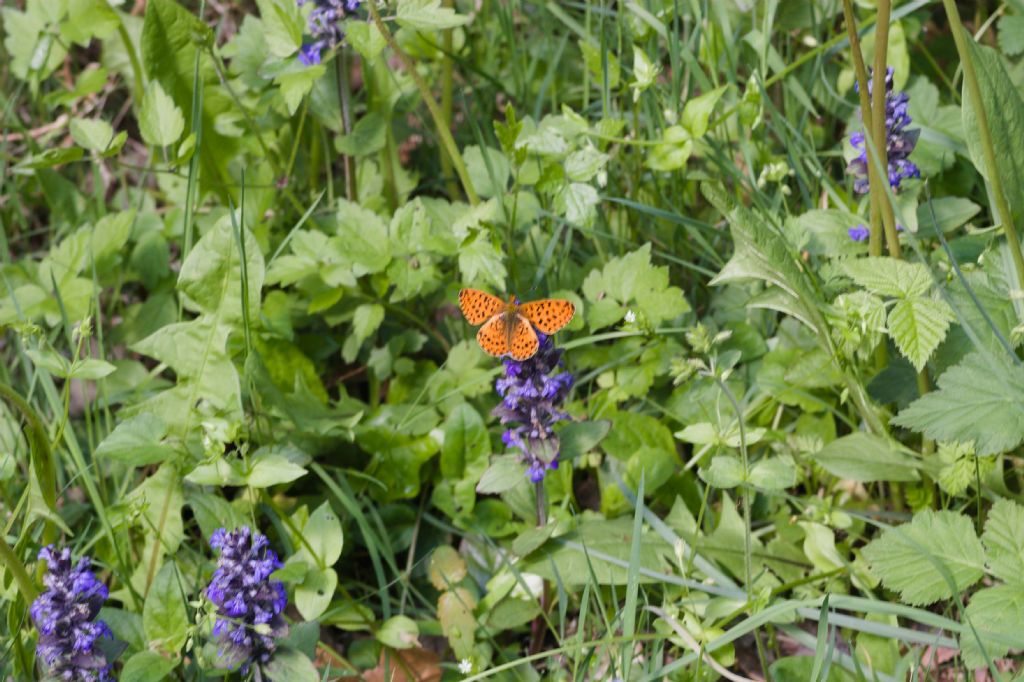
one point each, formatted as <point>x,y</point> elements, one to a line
<point>65,614</point>
<point>324,27</point>
<point>900,142</point>
<point>531,401</point>
<point>249,604</point>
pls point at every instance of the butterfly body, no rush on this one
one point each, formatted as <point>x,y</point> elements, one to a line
<point>509,326</point>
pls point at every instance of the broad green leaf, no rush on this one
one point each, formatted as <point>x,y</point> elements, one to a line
<point>161,122</point>
<point>604,540</point>
<point>90,369</point>
<point>111,233</point>
<point>160,498</point>
<point>366,38</point>
<point>446,567</point>
<point>93,134</point>
<point>602,64</point>
<point>934,556</point>
<point>773,473</point>
<point>314,594</point>
<point>297,82</point>
<point>32,50</point>
<point>996,614</point>
<point>465,441</point>
<point>1011,34</point>
<point>579,438</point>
<point>583,164</point>
<point>282,26</point>
<point>137,441</point>
<point>365,321</point>
<point>697,112</point>
<point>365,238</point>
<point>890,276</point>
<point>1004,541</point>
<point>863,457</point>
<point>918,326</point>
<point>399,632</point>
<point>291,666</point>
<point>801,669</point>
<point>211,276</point>
<point>482,164</point>
<point>950,213</point>
<point>481,262</point>
<point>578,203</point>
<point>977,400</point>
<point>427,15</point>
<point>323,536</point>
<point>147,666</point>
<point>273,470</point>
<point>164,615</point>
<point>672,151</point>
<point>725,471</point>
<point>504,473</point>
<point>367,137</point>
<point>1004,111</point>
<point>455,611</point>
<point>644,72</point>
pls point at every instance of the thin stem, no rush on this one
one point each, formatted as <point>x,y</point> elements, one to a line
<point>344,103</point>
<point>991,168</point>
<point>447,85</point>
<point>878,127</point>
<point>447,141</point>
<point>875,239</point>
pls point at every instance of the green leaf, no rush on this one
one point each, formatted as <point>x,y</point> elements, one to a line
<point>863,457</point>
<point>455,612</point>
<point>427,15</point>
<point>1011,34</point>
<point>366,38</point>
<point>889,276</point>
<point>161,122</point>
<point>297,82</point>
<point>137,441</point>
<point>977,400</point>
<point>314,594</point>
<point>481,163</point>
<point>368,135</point>
<point>996,614</point>
<point>161,498</point>
<point>604,540</point>
<point>164,615</point>
<point>725,471</point>
<point>446,567</point>
<point>578,203</point>
<point>291,666</point>
<point>465,441</point>
<point>322,534</point>
<point>697,112</point>
<point>579,438</point>
<point>147,666</point>
<point>273,470</point>
<point>481,262</point>
<point>934,556</point>
<point>1004,110</point>
<point>583,164</point>
<point>211,276</point>
<point>365,238</point>
<point>91,369</point>
<point>672,151</point>
<point>504,473</point>
<point>399,632</point>
<point>282,26</point>
<point>1004,541</point>
<point>773,473</point>
<point>91,133</point>
<point>918,326</point>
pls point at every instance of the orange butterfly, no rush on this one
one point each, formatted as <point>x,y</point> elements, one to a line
<point>509,329</point>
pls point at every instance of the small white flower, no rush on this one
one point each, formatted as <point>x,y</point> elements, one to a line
<point>630,316</point>
<point>602,178</point>
<point>465,666</point>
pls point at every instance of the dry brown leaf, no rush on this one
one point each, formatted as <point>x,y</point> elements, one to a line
<point>408,665</point>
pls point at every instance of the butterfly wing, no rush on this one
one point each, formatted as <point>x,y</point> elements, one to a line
<point>524,342</point>
<point>493,337</point>
<point>478,305</point>
<point>549,314</point>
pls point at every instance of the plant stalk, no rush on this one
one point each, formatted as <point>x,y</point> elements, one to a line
<point>344,103</point>
<point>443,132</point>
<point>991,167</point>
<point>447,86</point>
<point>879,133</point>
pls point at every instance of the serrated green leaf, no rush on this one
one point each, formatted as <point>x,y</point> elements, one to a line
<point>977,400</point>
<point>918,326</point>
<point>161,122</point>
<point>282,26</point>
<point>428,15</point>
<point>296,84</point>
<point>91,133</point>
<point>928,559</point>
<point>996,614</point>
<point>864,457</point>
<point>164,615</point>
<point>482,262</point>
<point>366,38</point>
<point>1004,540</point>
<point>886,276</point>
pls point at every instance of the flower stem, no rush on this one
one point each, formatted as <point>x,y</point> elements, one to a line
<point>878,128</point>
<point>992,169</point>
<point>344,103</point>
<point>447,141</point>
<point>447,86</point>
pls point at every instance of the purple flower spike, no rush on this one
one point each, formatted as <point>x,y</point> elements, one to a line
<point>531,402</point>
<point>249,604</point>
<point>65,615</point>
<point>324,26</point>
<point>859,233</point>
<point>900,142</point>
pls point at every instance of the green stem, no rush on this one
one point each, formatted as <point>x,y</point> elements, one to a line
<point>447,141</point>
<point>875,239</point>
<point>447,86</point>
<point>878,128</point>
<point>18,571</point>
<point>133,57</point>
<point>992,169</point>
<point>344,104</point>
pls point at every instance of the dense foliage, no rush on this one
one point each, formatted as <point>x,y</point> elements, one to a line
<point>245,430</point>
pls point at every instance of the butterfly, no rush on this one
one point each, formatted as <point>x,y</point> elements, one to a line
<point>509,327</point>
